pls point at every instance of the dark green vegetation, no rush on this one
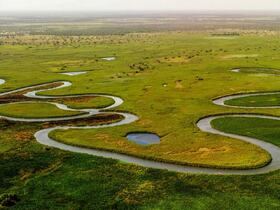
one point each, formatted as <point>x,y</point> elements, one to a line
<point>46,178</point>
<point>87,102</point>
<point>264,129</point>
<point>169,81</point>
<point>256,101</point>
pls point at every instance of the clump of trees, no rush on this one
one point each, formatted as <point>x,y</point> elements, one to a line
<point>226,34</point>
<point>74,40</point>
<point>140,67</point>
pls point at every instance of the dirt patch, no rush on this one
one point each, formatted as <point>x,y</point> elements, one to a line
<point>202,151</point>
<point>81,99</point>
<point>208,151</point>
<point>23,135</point>
<point>179,84</point>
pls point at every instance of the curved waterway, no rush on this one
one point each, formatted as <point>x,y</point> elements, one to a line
<point>109,58</point>
<point>74,73</point>
<point>42,136</point>
<point>221,101</point>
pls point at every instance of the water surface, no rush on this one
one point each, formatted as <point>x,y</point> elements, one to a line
<point>109,58</point>
<point>74,73</point>
<point>143,138</point>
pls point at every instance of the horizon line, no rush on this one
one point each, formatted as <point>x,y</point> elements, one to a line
<point>150,10</point>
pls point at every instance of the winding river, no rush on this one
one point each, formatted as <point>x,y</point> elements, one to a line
<point>204,125</point>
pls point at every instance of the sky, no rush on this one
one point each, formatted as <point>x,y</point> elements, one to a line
<point>70,5</point>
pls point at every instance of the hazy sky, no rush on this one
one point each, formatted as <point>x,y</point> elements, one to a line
<point>6,5</point>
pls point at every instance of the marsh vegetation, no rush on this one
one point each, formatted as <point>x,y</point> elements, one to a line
<point>169,80</point>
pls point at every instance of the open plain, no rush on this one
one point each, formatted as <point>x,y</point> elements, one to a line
<point>211,98</point>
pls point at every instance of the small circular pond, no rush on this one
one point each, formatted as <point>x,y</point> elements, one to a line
<point>143,138</point>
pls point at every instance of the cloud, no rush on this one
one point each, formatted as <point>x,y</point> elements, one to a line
<point>139,4</point>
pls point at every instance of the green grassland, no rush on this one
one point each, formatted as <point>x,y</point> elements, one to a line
<point>208,154</point>
<point>169,81</point>
<point>264,129</point>
<point>34,110</point>
<point>256,101</point>
<point>46,178</point>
